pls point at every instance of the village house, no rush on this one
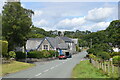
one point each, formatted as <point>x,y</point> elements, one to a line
<point>67,45</point>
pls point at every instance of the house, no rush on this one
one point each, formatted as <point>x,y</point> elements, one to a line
<point>65,44</point>
<point>33,43</point>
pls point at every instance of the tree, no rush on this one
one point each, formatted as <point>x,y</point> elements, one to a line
<point>16,22</point>
<point>113,32</point>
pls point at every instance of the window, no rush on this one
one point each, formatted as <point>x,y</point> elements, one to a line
<point>46,47</point>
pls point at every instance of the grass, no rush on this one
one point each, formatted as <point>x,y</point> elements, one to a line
<point>15,66</point>
<point>87,70</point>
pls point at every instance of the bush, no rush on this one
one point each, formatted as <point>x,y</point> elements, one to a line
<point>53,53</point>
<point>12,54</point>
<point>35,54</point>
<point>115,54</point>
<point>92,56</point>
<point>103,55</point>
<point>20,55</point>
<point>78,49</point>
<point>116,59</point>
<point>4,47</point>
<point>46,54</point>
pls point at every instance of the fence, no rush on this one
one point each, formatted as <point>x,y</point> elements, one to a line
<point>108,67</point>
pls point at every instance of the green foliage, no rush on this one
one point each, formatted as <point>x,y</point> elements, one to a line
<point>97,48</point>
<point>92,56</point>
<point>40,33</point>
<point>103,55</point>
<point>53,53</point>
<point>91,51</point>
<point>42,54</point>
<point>35,36</point>
<point>78,49</point>
<point>46,54</point>
<point>103,47</point>
<point>114,33</point>
<point>116,60</point>
<point>16,22</point>
<point>4,47</point>
<point>115,54</point>
<point>82,43</point>
<point>35,54</point>
<point>12,54</point>
<point>20,55</point>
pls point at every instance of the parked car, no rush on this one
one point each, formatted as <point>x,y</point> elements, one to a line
<point>62,56</point>
<point>69,56</point>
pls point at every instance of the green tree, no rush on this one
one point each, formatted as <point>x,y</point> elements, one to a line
<point>113,32</point>
<point>16,22</point>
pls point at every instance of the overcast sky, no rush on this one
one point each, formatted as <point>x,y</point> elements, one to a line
<point>92,16</point>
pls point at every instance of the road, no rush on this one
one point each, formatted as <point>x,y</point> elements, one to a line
<point>50,69</point>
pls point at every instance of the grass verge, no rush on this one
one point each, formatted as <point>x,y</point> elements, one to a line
<point>87,70</point>
<point>15,66</point>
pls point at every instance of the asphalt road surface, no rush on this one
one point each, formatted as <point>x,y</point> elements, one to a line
<point>51,69</point>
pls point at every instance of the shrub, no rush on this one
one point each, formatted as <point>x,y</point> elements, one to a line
<point>92,56</point>
<point>20,55</point>
<point>103,55</point>
<point>53,53</point>
<point>115,54</point>
<point>116,59</point>
<point>4,47</point>
<point>78,49</point>
<point>46,54</point>
<point>35,54</point>
<point>12,54</point>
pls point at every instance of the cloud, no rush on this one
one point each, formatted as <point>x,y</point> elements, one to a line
<point>70,24</point>
<point>37,13</point>
<point>99,14</point>
<point>23,5</point>
<point>100,26</point>
<point>41,23</point>
<point>73,16</point>
<point>96,19</point>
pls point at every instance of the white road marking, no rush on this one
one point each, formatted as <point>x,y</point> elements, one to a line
<point>38,74</point>
<point>46,70</point>
<point>56,66</point>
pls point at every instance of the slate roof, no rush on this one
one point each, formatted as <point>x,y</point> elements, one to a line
<point>33,43</point>
<point>55,43</point>
<point>66,39</point>
<point>52,41</point>
<point>63,46</point>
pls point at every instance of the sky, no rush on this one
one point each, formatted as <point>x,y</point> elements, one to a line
<point>72,16</point>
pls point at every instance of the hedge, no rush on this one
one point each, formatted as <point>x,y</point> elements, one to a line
<point>116,60</point>
<point>4,45</point>
<point>42,54</point>
<point>20,55</point>
<point>35,54</point>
